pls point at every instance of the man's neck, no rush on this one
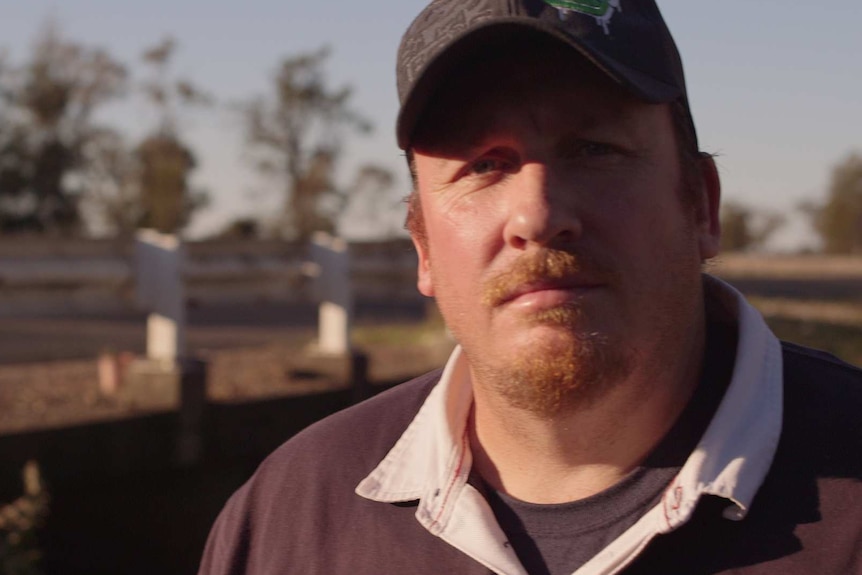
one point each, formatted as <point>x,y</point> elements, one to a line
<point>583,451</point>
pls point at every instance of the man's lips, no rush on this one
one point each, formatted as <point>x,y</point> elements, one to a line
<point>548,292</point>
<point>547,277</point>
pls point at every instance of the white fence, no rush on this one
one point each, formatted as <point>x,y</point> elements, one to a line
<point>59,277</point>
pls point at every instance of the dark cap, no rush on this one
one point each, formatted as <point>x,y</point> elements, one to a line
<point>626,39</point>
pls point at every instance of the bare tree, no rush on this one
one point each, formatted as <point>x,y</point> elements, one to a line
<point>370,204</point>
<point>297,135</point>
<point>111,179</point>
<point>746,229</point>
<point>165,161</point>
<point>47,119</point>
<point>146,185</point>
<point>838,220</point>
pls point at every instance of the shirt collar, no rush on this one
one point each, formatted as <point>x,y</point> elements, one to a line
<point>736,451</point>
<point>428,453</point>
<point>432,460</point>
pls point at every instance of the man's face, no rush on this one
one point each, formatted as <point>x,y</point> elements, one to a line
<point>559,246</point>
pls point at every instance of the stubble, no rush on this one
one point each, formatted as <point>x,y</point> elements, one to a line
<point>567,368</point>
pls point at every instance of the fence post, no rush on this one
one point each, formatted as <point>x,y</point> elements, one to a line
<point>193,401</point>
<point>160,259</point>
<point>359,382</point>
<point>333,292</point>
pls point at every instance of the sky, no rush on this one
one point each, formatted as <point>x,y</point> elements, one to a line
<point>775,85</point>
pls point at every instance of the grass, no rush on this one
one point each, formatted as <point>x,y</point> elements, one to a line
<point>419,334</point>
<point>429,331</point>
<point>832,326</point>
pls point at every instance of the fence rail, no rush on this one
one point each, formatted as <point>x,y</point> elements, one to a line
<point>47,278</point>
<point>44,277</point>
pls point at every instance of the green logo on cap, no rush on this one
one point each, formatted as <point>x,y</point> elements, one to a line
<point>591,7</point>
<point>601,10</point>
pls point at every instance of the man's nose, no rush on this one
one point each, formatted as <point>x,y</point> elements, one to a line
<point>542,209</point>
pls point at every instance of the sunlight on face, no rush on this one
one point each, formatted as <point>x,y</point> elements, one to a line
<point>558,247</point>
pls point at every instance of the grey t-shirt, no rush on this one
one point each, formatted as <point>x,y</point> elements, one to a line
<point>558,539</point>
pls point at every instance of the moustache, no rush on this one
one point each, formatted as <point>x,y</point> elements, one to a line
<point>544,265</point>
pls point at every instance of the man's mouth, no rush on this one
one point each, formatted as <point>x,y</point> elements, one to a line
<point>549,293</point>
<point>545,279</point>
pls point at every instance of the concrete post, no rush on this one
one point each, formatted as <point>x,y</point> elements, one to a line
<point>159,260</point>
<point>333,291</point>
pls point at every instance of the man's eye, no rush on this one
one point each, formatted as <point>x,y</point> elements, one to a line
<point>579,149</point>
<point>487,165</point>
<point>596,149</point>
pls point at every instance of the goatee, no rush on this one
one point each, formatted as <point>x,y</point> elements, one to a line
<point>569,368</point>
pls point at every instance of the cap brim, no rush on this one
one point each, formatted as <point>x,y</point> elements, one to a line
<point>425,86</point>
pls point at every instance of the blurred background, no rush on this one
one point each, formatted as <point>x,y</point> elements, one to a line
<point>245,128</point>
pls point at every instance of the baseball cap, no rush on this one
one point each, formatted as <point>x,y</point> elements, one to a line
<point>626,39</point>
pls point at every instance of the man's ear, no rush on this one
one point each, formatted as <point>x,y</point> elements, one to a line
<point>423,280</point>
<point>708,207</point>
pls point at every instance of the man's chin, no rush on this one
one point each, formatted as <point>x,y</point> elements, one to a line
<point>561,371</point>
<point>566,316</point>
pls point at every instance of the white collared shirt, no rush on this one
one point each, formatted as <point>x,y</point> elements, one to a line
<point>431,461</point>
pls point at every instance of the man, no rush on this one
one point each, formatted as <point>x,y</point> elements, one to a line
<point>609,408</point>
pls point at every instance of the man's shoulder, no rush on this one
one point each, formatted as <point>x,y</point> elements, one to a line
<point>301,499</point>
<point>805,516</point>
<point>806,357</point>
<point>821,377</point>
<point>822,407</point>
<point>356,438</point>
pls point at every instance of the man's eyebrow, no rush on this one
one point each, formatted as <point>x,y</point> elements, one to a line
<point>464,144</point>
<point>594,120</point>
